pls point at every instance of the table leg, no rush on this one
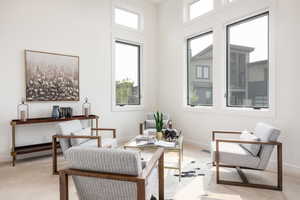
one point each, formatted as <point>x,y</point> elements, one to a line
<point>180,164</point>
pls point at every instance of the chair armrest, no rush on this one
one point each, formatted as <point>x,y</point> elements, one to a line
<point>224,132</point>
<point>79,136</point>
<point>151,164</point>
<point>106,129</point>
<point>248,142</point>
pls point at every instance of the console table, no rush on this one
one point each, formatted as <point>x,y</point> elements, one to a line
<point>18,150</point>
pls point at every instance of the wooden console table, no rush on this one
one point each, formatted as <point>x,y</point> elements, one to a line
<point>43,146</point>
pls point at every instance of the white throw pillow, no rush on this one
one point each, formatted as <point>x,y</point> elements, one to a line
<point>82,132</point>
<point>252,148</point>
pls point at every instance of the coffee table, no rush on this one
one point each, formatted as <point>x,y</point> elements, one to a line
<point>178,148</point>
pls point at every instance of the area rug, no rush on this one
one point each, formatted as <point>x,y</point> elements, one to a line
<point>195,180</point>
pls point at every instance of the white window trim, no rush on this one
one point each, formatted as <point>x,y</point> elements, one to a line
<point>264,112</point>
<point>127,28</point>
<point>116,108</point>
<point>200,108</point>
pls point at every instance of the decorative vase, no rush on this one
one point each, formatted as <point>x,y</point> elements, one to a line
<point>23,111</point>
<point>159,135</point>
<point>55,112</point>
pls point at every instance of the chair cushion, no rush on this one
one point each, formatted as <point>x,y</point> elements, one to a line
<point>252,148</point>
<point>66,128</point>
<point>266,133</point>
<point>234,154</point>
<point>82,132</point>
<point>150,124</point>
<point>105,142</point>
<point>105,160</point>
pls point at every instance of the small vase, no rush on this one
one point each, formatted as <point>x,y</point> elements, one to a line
<point>55,112</point>
<point>159,135</point>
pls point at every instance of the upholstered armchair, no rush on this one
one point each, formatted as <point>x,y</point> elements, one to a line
<point>251,151</point>
<point>114,174</point>
<point>149,124</point>
<point>72,133</point>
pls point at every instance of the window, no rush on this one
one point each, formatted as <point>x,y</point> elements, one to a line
<point>126,18</point>
<point>127,73</point>
<point>202,71</point>
<point>199,70</point>
<point>200,7</point>
<point>248,63</point>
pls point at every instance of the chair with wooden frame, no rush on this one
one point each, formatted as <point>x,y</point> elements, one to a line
<point>112,174</point>
<point>64,135</point>
<point>149,124</point>
<point>225,153</point>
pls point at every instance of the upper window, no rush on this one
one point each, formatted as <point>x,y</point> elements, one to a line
<point>248,62</point>
<point>127,18</point>
<point>127,73</point>
<point>200,7</point>
<point>199,70</point>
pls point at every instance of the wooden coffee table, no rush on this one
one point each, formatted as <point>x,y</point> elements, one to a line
<point>178,148</point>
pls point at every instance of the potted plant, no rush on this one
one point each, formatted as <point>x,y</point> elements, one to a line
<point>159,123</point>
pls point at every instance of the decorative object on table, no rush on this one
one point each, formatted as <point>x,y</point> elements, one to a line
<point>158,116</point>
<point>55,112</point>
<point>66,112</point>
<point>23,111</point>
<point>86,107</point>
<point>51,76</point>
<point>171,134</point>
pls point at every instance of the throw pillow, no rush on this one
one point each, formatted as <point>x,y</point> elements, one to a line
<point>251,148</point>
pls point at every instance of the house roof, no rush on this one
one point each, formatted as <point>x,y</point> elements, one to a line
<point>232,47</point>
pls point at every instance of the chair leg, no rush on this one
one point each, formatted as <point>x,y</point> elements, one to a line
<point>141,193</point>
<point>63,186</point>
<point>54,156</point>
<point>245,182</point>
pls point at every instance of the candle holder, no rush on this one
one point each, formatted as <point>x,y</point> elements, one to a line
<point>23,111</point>
<point>86,108</point>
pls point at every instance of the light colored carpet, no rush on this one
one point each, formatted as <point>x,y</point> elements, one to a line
<point>31,179</point>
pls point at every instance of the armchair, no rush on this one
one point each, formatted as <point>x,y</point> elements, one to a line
<point>149,124</point>
<point>65,135</point>
<point>112,174</point>
<point>230,153</point>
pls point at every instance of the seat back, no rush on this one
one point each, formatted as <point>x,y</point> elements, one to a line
<point>266,133</point>
<point>150,120</point>
<point>114,161</point>
<point>66,128</point>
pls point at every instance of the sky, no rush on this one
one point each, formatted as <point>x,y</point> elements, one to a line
<point>251,34</point>
<point>126,62</point>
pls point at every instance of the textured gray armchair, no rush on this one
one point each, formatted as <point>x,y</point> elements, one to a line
<point>149,124</point>
<point>251,152</point>
<point>72,133</point>
<point>112,174</point>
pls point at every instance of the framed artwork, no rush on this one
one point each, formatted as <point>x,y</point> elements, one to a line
<point>51,76</point>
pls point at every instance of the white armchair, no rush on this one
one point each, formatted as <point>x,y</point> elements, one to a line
<point>112,174</point>
<point>254,152</point>
<point>72,133</point>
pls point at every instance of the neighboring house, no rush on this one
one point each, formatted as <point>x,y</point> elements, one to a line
<point>248,81</point>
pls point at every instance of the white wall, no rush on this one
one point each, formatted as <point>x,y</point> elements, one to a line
<point>285,41</point>
<point>75,27</point>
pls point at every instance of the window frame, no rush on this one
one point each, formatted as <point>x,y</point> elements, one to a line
<point>127,107</point>
<point>187,64</point>
<point>227,41</point>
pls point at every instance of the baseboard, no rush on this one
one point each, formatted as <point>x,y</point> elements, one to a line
<point>288,169</point>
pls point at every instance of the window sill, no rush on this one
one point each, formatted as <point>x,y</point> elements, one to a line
<point>268,113</point>
<point>199,109</point>
<point>126,108</point>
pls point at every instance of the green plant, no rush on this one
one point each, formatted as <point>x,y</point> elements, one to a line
<point>158,116</point>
